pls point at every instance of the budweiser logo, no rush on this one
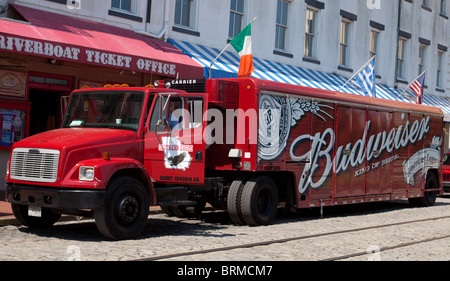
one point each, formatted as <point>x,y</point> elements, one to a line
<point>352,154</point>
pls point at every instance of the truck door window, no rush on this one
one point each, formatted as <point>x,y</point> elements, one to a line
<point>179,113</point>
<point>172,115</point>
<point>176,114</point>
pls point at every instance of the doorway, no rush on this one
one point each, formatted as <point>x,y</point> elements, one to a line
<point>44,113</point>
<point>45,95</point>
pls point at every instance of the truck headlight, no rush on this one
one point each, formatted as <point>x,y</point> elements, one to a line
<point>7,167</point>
<point>86,173</point>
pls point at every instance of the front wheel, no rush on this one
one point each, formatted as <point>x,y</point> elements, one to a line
<point>125,211</point>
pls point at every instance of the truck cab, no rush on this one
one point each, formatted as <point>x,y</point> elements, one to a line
<point>108,159</point>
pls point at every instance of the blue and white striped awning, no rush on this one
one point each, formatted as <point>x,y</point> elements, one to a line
<point>227,66</point>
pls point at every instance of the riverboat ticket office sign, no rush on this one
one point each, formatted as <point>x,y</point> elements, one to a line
<point>85,55</point>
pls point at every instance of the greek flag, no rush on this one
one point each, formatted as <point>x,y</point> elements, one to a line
<point>366,79</point>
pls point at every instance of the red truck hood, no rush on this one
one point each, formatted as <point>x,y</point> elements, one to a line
<point>76,137</point>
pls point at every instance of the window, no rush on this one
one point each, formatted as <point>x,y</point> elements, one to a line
<point>183,13</point>
<point>426,3</point>
<point>374,36</point>
<point>443,7</point>
<point>401,58</point>
<point>310,33</point>
<point>439,75</point>
<point>236,17</point>
<point>126,9</point>
<point>344,49</point>
<point>178,113</point>
<point>422,59</point>
<point>124,5</point>
<point>281,26</point>
<point>172,115</point>
<point>105,109</point>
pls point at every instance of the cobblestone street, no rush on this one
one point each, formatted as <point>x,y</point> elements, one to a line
<point>163,236</point>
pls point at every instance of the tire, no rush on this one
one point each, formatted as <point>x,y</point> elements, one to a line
<point>429,198</point>
<point>125,211</point>
<point>47,219</point>
<point>234,202</point>
<point>259,201</point>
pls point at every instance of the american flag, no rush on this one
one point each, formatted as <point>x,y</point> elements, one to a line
<point>417,87</point>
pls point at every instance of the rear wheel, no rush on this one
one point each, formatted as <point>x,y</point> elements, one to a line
<point>234,201</point>
<point>47,218</point>
<point>125,211</point>
<point>429,197</point>
<point>259,201</point>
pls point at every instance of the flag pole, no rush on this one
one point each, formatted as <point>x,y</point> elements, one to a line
<point>214,60</point>
<point>356,73</point>
<point>413,82</point>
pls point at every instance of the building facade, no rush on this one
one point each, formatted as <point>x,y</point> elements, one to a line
<point>332,36</point>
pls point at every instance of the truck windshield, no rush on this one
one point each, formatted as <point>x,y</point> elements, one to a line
<point>105,109</point>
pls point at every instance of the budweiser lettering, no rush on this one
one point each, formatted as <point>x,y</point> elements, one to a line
<point>353,154</point>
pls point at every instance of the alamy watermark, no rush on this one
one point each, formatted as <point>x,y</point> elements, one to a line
<point>374,4</point>
<point>73,253</point>
<point>73,4</point>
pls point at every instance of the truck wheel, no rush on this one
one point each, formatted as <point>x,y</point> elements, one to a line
<point>234,201</point>
<point>429,198</point>
<point>47,219</point>
<point>125,211</point>
<point>259,201</point>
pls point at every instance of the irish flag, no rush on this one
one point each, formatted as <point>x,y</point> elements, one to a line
<point>242,43</point>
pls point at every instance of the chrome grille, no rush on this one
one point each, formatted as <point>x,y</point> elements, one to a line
<point>447,177</point>
<point>38,165</point>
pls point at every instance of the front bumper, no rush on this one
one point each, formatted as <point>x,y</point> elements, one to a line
<point>55,198</point>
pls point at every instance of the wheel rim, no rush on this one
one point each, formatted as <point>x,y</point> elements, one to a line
<point>127,209</point>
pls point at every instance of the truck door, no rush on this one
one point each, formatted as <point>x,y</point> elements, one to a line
<point>174,150</point>
<point>350,174</point>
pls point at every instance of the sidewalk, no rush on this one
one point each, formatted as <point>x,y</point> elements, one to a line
<point>6,214</point>
<point>5,207</point>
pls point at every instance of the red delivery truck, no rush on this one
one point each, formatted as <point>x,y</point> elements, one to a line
<point>245,145</point>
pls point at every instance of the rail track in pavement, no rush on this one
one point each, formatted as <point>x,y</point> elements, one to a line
<point>313,236</point>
